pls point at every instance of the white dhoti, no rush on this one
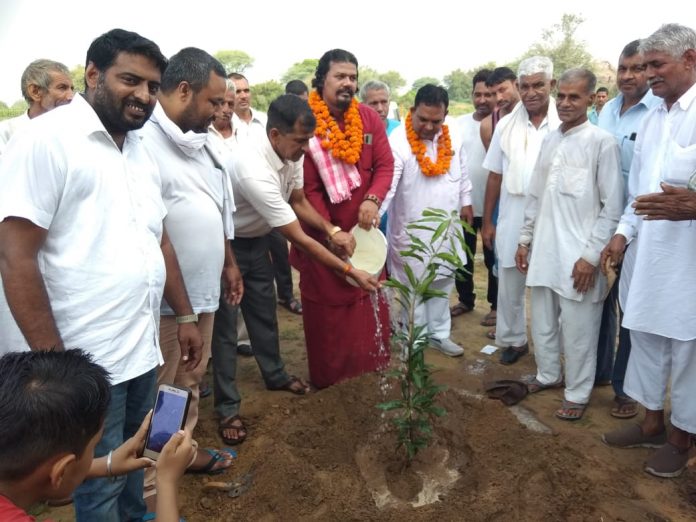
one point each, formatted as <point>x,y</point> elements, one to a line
<point>434,313</point>
<point>563,326</point>
<point>654,359</point>
<point>511,326</point>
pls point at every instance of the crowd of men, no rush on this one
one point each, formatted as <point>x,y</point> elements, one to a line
<point>139,217</point>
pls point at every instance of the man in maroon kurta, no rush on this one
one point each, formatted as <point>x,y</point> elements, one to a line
<point>346,329</point>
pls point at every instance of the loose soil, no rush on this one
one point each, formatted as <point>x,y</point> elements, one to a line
<point>312,457</point>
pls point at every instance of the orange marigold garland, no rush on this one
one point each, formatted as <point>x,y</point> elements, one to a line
<point>444,150</point>
<point>345,144</point>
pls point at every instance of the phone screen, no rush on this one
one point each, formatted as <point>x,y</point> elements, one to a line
<point>166,420</point>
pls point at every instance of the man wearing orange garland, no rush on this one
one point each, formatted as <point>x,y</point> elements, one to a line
<point>347,173</point>
<point>428,172</point>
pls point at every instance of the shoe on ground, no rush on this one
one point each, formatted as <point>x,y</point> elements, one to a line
<point>511,354</point>
<point>245,350</point>
<point>447,346</point>
<point>632,437</point>
<point>667,462</point>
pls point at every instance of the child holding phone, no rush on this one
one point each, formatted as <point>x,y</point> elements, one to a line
<point>52,408</point>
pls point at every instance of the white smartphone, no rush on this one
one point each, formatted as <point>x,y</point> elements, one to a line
<point>168,417</point>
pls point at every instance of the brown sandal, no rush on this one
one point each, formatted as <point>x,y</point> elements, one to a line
<point>624,408</point>
<point>232,423</point>
<point>291,386</point>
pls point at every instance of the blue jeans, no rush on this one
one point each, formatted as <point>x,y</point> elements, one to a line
<point>118,500</point>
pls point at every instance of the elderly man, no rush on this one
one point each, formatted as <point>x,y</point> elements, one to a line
<point>422,182</point>
<point>511,157</point>
<point>83,259</point>
<point>376,94</point>
<point>573,205</point>
<point>221,127</point>
<point>469,130</point>
<point>622,116</point>
<point>45,85</point>
<point>198,197</point>
<point>660,310</point>
<point>267,181</point>
<point>347,173</point>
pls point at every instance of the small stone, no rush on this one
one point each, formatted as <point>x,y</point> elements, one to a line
<point>207,503</point>
<point>286,411</point>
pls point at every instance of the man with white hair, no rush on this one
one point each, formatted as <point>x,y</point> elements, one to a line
<point>660,310</point>
<point>511,157</point>
<point>376,94</point>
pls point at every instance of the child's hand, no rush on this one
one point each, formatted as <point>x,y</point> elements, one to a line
<point>175,457</point>
<point>127,457</point>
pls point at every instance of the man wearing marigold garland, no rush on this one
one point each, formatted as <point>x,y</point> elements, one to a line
<point>428,172</point>
<point>347,173</point>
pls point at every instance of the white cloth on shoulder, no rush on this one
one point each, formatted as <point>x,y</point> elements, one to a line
<point>339,177</point>
<point>513,142</point>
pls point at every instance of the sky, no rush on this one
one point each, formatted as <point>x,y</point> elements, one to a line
<point>416,39</point>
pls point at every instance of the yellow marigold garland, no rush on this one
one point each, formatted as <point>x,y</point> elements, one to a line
<point>444,150</point>
<point>345,144</point>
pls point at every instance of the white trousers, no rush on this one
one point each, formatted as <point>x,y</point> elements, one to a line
<point>653,361</point>
<point>434,313</point>
<point>563,326</point>
<point>511,318</point>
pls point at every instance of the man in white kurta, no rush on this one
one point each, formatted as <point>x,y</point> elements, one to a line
<point>660,309</point>
<point>574,203</point>
<point>412,192</point>
<point>510,159</point>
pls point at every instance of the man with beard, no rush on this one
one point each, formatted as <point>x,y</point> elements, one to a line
<point>503,84</point>
<point>45,85</point>
<point>622,116</point>
<point>83,249</point>
<point>267,180</point>
<point>659,309</point>
<point>198,196</point>
<point>469,128</point>
<point>347,174</point>
<point>510,159</point>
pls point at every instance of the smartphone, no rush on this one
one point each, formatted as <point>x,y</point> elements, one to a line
<point>168,417</point>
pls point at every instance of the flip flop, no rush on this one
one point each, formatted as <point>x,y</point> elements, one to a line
<point>535,386</point>
<point>293,305</point>
<point>508,391</point>
<point>460,309</point>
<point>215,457</point>
<point>490,319</point>
<point>571,411</point>
<point>625,408</point>
<point>230,424</point>
<point>288,386</point>
<point>491,334</point>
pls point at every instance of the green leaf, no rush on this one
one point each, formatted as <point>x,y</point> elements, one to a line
<point>391,405</point>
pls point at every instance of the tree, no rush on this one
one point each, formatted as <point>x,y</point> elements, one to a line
<point>20,106</point>
<point>303,70</point>
<point>234,60</point>
<point>394,80</point>
<point>77,74</point>
<point>458,85</point>
<point>420,82</point>
<point>560,44</point>
<point>264,93</point>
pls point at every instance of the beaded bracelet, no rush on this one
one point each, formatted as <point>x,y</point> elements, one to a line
<point>374,199</point>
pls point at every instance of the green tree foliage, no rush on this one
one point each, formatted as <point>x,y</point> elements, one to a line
<point>392,78</point>
<point>458,84</point>
<point>303,70</point>
<point>264,93</point>
<point>20,106</point>
<point>77,74</point>
<point>561,45</point>
<point>234,60</point>
<point>420,82</point>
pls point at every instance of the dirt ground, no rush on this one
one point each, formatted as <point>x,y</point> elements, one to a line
<point>312,457</point>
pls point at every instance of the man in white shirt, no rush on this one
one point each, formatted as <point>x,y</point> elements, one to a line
<point>469,129</point>
<point>248,123</point>
<point>420,183</point>
<point>45,85</point>
<point>83,249</point>
<point>267,181</point>
<point>660,310</point>
<point>221,127</point>
<point>574,201</point>
<point>198,196</point>
<point>510,159</point>
<point>622,116</point>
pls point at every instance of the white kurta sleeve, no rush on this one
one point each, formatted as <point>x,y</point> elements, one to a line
<point>398,171</point>
<point>610,185</point>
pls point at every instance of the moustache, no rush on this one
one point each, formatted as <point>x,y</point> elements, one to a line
<point>655,80</point>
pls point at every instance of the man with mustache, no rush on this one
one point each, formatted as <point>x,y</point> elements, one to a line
<point>347,173</point>
<point>222,122</point>
<point>83,258</point>
<point>574,201</point>
<point>45,85</point>
<point>469,129</point>
<point>510,159</point>
<point>659,309</point>
<point>601,97</point>
<point>622,116</point>
<point>502,82</point>
<point>197,194</point>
